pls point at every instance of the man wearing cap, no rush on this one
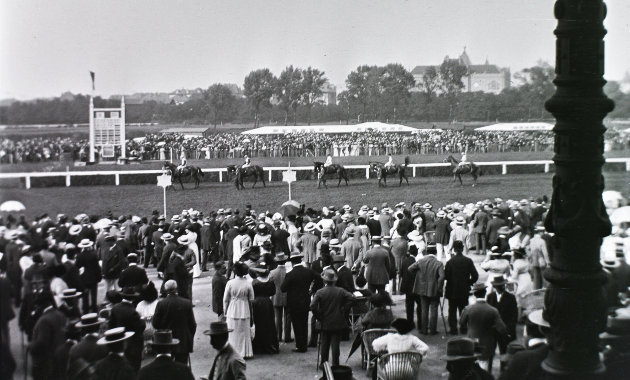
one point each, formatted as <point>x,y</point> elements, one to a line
<point>461,361</point>
<point>170,245</point>
<point>89,273</point>
<point>329,306</point>
<point>133,276</point>
<point>48,335</point>
<point>460,274</point>
<point>176,314</point>
<point>115,366</point>
<point>210,237</point>
<point>87,349</point>
<point>297,285</point>
<point>227,364</point>
<point>505,303</point>
<point>442,234</point>
<point>483,322</point>
<point>124,314</point>
<point>164,367</point>
<point>526,364</point>
<point>307,243</point>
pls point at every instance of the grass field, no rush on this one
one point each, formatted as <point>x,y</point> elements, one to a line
<point>141,199</point>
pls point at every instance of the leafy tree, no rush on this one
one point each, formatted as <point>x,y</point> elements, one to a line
<point>396,81</point>
<point>344,101</point>
<point>451,74</point>
<point>358,85</point>
<point>220,103</point>
<point>311,89</point>
<point>430,83</point>
<point>258,89</point>
<point>287,91</point>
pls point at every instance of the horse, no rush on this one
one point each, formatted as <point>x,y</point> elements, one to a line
<point>251,171</point>
<point>382,172</point>
<point>458,169</point>
<point>321,171</point>
<point>194,172</point>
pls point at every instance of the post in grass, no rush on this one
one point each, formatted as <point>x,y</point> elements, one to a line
<point>289,176</point>
<point>164,181</point>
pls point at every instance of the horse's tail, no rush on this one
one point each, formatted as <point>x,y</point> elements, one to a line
<point>200,171</point>
<point>406,161</point>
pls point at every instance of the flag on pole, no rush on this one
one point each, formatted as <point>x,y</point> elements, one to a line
<point>92,75</point>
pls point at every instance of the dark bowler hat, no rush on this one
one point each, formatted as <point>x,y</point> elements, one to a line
<point>163,338</point>
<point>460,348</point>
<point>217,328</point>
<point>478,286</point>
<point>114,335</point>
<point>89,320</point>
<point>281,257</point>
<point>512,348</point>
<point>498,280</point>
<point>338,259</point>
<point>402,325</point>
<point>129,293</point>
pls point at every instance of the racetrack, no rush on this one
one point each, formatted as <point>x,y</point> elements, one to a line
<point>141,199</point>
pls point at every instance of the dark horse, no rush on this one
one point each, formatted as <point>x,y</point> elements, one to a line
<point>251,171</point>
<point>321,171</point>
<point>382,172</point>
<point>458,170</point>
<point>194,172</point>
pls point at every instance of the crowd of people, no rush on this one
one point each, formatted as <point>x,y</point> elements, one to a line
<point>271,273</point>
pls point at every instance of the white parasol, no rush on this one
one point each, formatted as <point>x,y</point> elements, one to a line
<point>12,206</point>
<point>620,215</point>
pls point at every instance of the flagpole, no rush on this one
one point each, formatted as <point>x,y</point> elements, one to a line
<point>289,182</point>
<point>91,125</point>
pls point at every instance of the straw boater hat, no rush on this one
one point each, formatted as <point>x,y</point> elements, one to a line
<point>281,258</point>
<point>70,293</point>
<point>89,320</point>
<point>459,220</point>
<point>610,263</point>
<point>310,226</point>
<point>75,229</point>
<point>540,227</point>
<point>329,275</point>
<point>440,214</point>
<point>460,349</point>
<point>183,240</point>
<point>296,256</point>
<point>164,338</point>
<point>115,335</point>
<point>427,206</point>
<point>167,236</point>
<point>334,243</point>
<point>217,328</point>
<point>85,243</point>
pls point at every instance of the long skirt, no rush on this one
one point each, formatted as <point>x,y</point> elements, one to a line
<point>241,337</point>
<point>266,339</point>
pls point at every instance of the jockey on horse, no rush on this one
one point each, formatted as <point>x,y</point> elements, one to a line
<point>464,161</point>
<point>181,166</point>
<point>389,163</point>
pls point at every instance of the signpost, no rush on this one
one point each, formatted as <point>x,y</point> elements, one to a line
<point>107,130</point>
<point>289,176</point>
<point>164,180</point>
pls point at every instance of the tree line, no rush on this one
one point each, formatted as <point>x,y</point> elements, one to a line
<point>373,93</point>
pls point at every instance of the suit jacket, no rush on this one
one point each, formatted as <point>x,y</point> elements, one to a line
<point>124,314</point>
<point>134,276</point>
<point>72,277</point>
<point>374,226</point>
<point>480,222</point>
<point>88,350</point>
<point>408,277</point>
<point>280,241</point>
<point>307,244</point>
<point>442,231</point>
<point>163,367</point>
<point>492,229</point>
<point>329,306</point>
<point>277,276</point>
<point>351,249</point>
<point>7,294</point>
<point>114,259</point>
<point>508,310</point>
<point>88,260</point>
<point>385,221</point>
<point>345,279</point>
<point>526,365</point>
<point>297,284</point>
<point>483,322</point>
<point>460,274</point>
<point>429,277</point>
<point>114,367</point>
<point>218,289</point>
<point>378,266</point>
<point>228,364</point>
<point>48,334</point>
<point>176,313</point>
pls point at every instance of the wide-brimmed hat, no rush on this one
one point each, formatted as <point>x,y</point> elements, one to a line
<point>350,231</point>
<point>402,325</point>
<point>512,348</point>
<point>478,286</point>
<point>217,328</point>
<point>310,226</point>
<point>295,256</point>
<point>164,337</point>
<point>136,219</point>
<point>540,227</point>
<point>334,243</point>
<point>427,206</point>
<point>114,335</point>
<point>281,257</point>
<point>376,238</point>
<point>536,317</point>
<point>459,220</point>
<point>505,230</point>
<point>75,229</point>
<point>524,202</point>
<point>85,243</point>
<point>176,218</point>
<point>498,280</point>
<point>128,292</point>
<point>71,293</point>
<point>89,320</point>
<point>329,275</point>
<point>459,349</point>
<point>338,259</point>
<point>11,235</point>
<point>183,240</point>
<point>441,214</point>
<point>167,236</point>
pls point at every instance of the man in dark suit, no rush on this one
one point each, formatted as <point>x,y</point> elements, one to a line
<point>344,274</point>
<point>508,310</point>
<point>483,322</point>
<point>460,274</point>
<point>279,238</point>
<point>297,285</point>
<point>175,313</point>
<point>115,365</point>
<point>428,286</point>
<point>492,228</point>
<point>227,364</point>
<point>480,223</point>
<point>526,365</point>
<point>373,225</point>
<point>124,314</point>
<point>164,367</point>
<point>89,273</point>
<point>134,276</point>
<point>407,279</point>
<point>329,306</point>
<point>279,299</point>
<point>378,266</point>
<point>218,287</point>
<point>87,349</point>
<point>48,335</point>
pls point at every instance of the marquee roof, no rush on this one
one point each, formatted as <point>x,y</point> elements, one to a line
<point>332,129</point>
<point>517,127</point>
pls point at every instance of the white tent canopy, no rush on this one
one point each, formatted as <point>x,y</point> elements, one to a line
<point>352,128</point>
<point>510,127</point>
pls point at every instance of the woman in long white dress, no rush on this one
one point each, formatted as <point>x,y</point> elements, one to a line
<point>520,275</point>
<point>192,238</point>
<point>237,303</point>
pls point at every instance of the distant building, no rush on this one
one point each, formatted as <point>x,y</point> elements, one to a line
<point>485,78</point>
<point>329,94</point>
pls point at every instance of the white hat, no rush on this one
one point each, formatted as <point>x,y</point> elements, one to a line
<point>183,240</point>
<point>136,219</point>
<point>75,229</point>
<point>310,226</point>
<point>460,220</point>
<point>167,236</point>
<point>85,243</point>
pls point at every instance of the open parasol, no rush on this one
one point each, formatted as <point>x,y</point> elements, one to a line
<point>102,223</point>
<point>289,208</point>
<point>12,206</point>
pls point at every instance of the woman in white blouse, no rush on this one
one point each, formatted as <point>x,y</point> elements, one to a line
<point>400,341</point>
<point>237,303</point>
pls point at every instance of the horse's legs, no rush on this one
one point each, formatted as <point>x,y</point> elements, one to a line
<point>255,180</point>
<point>262,178</point>
<point>460,179</point>
<point>181,182</point>
<point>339,183</point>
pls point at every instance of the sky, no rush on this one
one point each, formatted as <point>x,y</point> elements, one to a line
<point>49,47</point>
